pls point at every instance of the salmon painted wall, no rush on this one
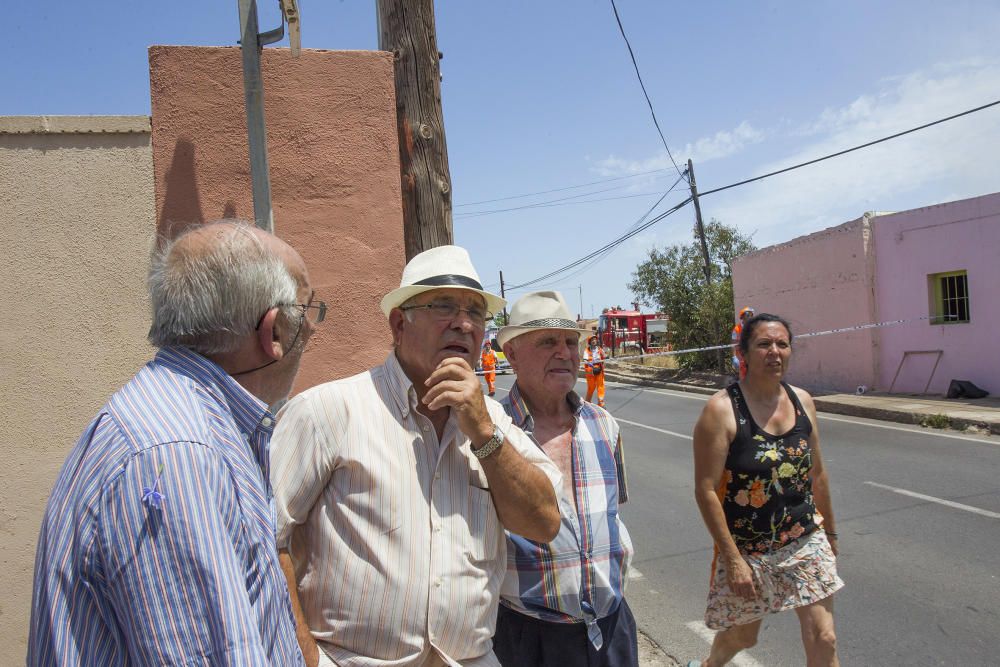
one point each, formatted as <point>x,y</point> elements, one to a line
<point>960,235</point>
<point>817,282</point>
<point>334,163</point>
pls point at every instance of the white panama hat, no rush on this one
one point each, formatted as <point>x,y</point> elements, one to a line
<point>535,312</point>
<point>446,266</point>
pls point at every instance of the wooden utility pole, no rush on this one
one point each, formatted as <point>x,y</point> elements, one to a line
<point>698,222</point>
<point>504,296</point>
<point>406,27</point>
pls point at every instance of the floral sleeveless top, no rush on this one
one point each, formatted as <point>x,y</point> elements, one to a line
<point>766,491</point>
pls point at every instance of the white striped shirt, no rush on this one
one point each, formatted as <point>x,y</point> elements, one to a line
<point>398,551</point>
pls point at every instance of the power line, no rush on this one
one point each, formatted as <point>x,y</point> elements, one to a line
<point>568,187</point>
<point>562,202</point>
<point>621,28</point>
<point>849,150</point>
<point>550,202</point>
<point>590,264</point>
<point>618,241</point>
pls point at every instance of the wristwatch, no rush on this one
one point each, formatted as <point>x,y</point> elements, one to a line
<point>490,445</point>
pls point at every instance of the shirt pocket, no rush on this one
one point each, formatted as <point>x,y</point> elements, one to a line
<point>484,526</point>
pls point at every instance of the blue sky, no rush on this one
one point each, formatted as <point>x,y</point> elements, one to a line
<point>541,95</point>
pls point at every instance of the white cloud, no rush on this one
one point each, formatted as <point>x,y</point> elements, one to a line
<point>722,144</point>
<point>954,159</point>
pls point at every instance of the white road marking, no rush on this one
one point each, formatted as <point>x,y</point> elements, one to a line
<point>653,428</point>
<point>634,573</point>
<point>916,430</point>
<point>939,501</point>
<point>741,660</point>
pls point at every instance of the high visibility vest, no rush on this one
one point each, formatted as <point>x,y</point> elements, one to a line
<point>592,358</point>
<point>489,360</point>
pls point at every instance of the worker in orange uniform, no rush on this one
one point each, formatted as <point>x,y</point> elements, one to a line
<point>739,365</point>
<point>593,364</point>
<point>489,362</point>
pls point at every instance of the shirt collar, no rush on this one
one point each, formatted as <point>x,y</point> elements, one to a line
<point>249,412</point>
<point>401,385</point>
<point>520,414</point>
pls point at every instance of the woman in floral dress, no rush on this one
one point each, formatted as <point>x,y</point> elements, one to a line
<point>765,500</point>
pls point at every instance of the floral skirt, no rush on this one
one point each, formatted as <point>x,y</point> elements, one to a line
<point>800,573</point>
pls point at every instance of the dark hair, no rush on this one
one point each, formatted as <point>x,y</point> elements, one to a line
<point>752,323</point>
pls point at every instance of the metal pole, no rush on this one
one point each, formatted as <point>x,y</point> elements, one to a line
<point>253,88</point>
<point>581,300</point>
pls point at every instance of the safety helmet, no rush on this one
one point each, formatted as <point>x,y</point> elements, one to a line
<point>746,312</point>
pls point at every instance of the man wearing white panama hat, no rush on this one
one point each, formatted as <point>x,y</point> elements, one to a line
<point>562,602</point>
<point>393,488</point>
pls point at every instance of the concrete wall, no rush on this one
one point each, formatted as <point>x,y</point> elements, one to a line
<point>76,225</point>
<point>912,244</point>
<point>334,161</point>
<point>818,282</point>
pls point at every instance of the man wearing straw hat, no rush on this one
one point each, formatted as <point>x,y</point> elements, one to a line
<point>393,488</point>
<point>562,602</point>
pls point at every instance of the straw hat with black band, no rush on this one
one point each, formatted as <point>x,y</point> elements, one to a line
<point>443,267</point>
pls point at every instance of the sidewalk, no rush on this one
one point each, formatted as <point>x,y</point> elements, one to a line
<point>980,415</point>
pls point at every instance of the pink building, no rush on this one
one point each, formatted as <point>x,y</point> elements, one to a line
<point>936,267</point>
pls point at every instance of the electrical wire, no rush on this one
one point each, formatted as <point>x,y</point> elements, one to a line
<point>550,202</point>
<point>621,28</point>
<point>618,241</point>
<point>568,187</point>
<point>560,202</point>
<point>600,254</point>
<point>849,150</point>
<point>599,258</point>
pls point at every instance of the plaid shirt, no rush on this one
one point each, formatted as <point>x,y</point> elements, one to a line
<point>580,576</point>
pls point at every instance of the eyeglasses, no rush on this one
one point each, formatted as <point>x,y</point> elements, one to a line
<point>314,312</point>
<point>448,311</point>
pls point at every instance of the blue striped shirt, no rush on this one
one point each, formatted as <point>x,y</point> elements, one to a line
<point>580,576</point>
<point>157,543</point>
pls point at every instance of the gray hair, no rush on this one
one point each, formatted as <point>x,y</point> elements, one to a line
<point>209,298</point>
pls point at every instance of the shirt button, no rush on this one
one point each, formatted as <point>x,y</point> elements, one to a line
<point>424,428</point>
<point>437,475</point>
<point>266,421</point>
<point>437,583</point>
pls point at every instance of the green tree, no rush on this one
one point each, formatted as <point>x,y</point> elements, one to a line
<point>672,279</point>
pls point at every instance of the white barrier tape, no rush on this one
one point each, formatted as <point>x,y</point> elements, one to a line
<point>857,327</point>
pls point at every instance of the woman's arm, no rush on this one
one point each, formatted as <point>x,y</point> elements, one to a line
<point>715,429</point>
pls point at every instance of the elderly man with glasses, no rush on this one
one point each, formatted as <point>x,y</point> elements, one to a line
<point>394,487</point>
<point>157,545</point>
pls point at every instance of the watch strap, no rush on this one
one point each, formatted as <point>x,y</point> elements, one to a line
<point>490,445</point>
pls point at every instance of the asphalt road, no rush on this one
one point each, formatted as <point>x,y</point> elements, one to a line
<point>922,571</point>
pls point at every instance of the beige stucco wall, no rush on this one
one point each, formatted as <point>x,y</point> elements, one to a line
<point>76,219</point>
<point>334,166</point>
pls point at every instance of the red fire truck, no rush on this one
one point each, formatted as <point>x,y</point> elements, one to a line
<point>625,331</point>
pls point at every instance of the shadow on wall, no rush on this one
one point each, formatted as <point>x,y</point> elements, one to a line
<point>181,201</point>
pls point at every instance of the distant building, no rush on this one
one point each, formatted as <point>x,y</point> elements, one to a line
<point>937,267</point>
